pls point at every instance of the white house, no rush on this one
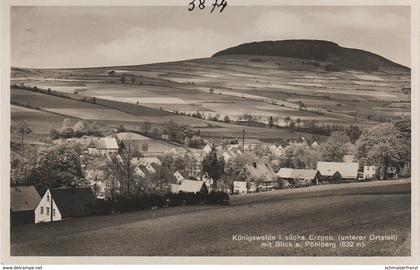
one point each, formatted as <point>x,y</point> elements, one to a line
<point>60,203</point>
<point>180,176</point>
<point>369,172</point>
<point>315,145</point>
<point>43,212</point>
<point>188,185</point>
<point>342,170</point>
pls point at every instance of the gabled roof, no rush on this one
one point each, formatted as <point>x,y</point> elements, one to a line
<point>192,186</point>
<point>73,202</point>
<point>146,161</point>
<point>154,166</point>
<point>143,169</point>
<point>24,198</point>
<point>346,169</point>
<point>130,136</point>
<point>260,170</point>
<point>104,143</point>
<point>291,173</point>
<point>183,173</point>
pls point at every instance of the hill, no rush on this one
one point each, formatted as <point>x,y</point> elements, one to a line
<point>319,50</point>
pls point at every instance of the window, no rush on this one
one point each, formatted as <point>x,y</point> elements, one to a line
<point>48,197</point>
<point>53,212</point>
<point>41,210</point>
<point>48,211</point>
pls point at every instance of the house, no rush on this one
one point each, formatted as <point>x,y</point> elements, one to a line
<point>242,187</point>
<point>259,172</point>
<point>315,145</point>
<point>181,175</point>
<point>277,150</point>
<point>369,172</point>
<point>193,186</point>
<point>146,161</point>
<point>207,149</point>
<point>338,170</point>
<point>61,203</point>
<point>207,180</point>
<point>102,146</point>
<point>23,202</point>
<point>291,175</point>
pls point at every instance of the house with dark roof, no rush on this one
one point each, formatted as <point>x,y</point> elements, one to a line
<point>23,202</point>
<point>258,172</point>
<point>293,175</point>
<point>61,203</point>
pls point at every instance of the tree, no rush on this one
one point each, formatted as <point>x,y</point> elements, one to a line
<point>354,133</point>
<point>54,134</point>
<point>60,166</point>
<point>22,129</point>
<point>68,132</point>
<point>146,127</point>
<point>226,119</point>
<point>213,166</point>
<point>121,168</point>
<point>144,147</point>
<point>335,147</point>
<point>382,155</point>
<point>81,128</point>
<point>299,156</point>
<point>270,122</point>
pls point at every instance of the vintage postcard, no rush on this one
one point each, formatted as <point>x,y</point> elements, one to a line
<point>210,131</point>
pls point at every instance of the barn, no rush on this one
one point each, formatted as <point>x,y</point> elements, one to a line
<point>23,202</point>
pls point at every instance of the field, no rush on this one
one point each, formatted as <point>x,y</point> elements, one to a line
<point>49,111</point>
<point>344,209</point>
<point>234,85</point>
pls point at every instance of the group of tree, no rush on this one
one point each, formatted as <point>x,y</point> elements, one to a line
<point>81,128</point>
<point>182,134</point>
<point>385,145</point>
<point>59,166</point>
<point>22,129</point>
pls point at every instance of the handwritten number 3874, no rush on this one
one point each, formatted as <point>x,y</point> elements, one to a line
<point>201,5</point>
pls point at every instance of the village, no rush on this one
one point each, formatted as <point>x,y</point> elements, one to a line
<point>73,175</point>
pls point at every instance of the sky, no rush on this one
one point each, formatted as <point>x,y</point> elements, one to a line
<point>58,37</point>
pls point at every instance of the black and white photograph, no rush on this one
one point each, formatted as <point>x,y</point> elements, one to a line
<point>210,129</point>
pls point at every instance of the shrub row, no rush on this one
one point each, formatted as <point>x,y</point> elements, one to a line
<point>148,201</point>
